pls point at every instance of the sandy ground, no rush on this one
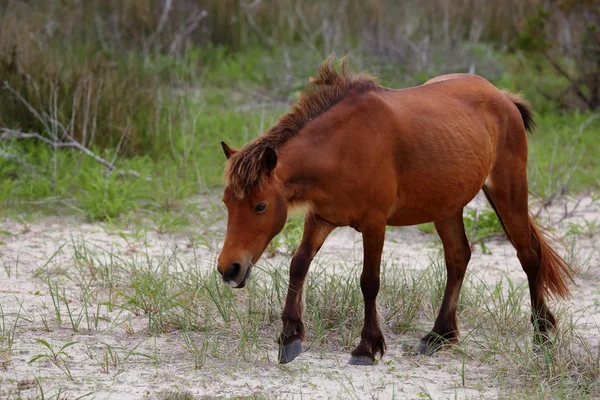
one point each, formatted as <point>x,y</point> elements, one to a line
<point>315,374</point>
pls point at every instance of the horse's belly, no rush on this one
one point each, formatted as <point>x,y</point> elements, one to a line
<point>417,204</point>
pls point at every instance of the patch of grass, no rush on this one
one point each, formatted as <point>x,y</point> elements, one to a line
<point>408,295</point>
<point>564,154</point>
<point>428,228</point>
<point>585,228</point>
<point>288,240</point>
<point>59,357</point>
<point>566,369</point>
<point>38,178</point>
<point>481,224</point>
<point>7,336</point>
<point>174,395</point>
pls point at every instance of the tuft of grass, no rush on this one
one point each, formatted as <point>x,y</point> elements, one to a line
<point>59,357</point>
<point>7,336</point>
<point>428,228</point>
<point>174,395</point>
<point>586,228</point>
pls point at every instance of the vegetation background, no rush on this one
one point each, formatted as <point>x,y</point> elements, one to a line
<point>112,111</point>
<point>115,106</point>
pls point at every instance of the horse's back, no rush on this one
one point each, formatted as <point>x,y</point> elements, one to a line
<point>462,109</point>
<point>500,109</point>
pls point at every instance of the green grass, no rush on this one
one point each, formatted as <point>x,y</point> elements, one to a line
<point>564,154</point>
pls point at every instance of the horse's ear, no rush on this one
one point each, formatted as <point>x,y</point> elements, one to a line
<point>269,159</point>
<point>227,150</point>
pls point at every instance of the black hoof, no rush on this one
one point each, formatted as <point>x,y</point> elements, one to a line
<point>290,351</point>
<point>429,348</point>
<point>361,360</point>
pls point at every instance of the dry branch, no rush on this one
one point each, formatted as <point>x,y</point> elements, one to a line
<point>60,136</point>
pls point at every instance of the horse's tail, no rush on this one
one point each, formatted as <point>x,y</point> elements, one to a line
<point>554,270</point>
<point>524,108</point>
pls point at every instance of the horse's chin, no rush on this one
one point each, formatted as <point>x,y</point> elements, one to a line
<point>245,278</point>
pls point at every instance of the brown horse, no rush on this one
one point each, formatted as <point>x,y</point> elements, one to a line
<point>361,155</point>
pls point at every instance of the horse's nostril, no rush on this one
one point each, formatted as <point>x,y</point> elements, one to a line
<point>235,269</point>
<point>231,273</point>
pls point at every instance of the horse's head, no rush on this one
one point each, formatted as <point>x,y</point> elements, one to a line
<point>254,218</point>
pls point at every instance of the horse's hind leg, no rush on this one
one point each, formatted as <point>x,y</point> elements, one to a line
<point>457,254</point>
<point>546,270</point>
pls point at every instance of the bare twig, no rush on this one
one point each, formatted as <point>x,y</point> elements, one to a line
<point>110,166</point>
<point>61,138</point>
<point>247,9</point>
<point>567,213</point>
<point>186,31</point>
<point>12,134</point>
<point>568,77</point>
<point>161,23</point>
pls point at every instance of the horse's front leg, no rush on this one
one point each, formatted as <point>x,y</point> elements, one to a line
<point>290,340</point>
<point>371,338</point>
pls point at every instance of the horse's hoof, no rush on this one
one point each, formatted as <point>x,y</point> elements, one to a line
<point>360,360</point>
<point>290,351</point>
<point>429,348</point>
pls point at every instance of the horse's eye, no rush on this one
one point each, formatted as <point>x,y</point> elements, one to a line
<point>260,208</point>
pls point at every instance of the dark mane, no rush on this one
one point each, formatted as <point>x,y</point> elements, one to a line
<point>244,169</point>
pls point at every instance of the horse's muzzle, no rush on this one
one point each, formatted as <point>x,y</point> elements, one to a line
<point>236,275</point>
